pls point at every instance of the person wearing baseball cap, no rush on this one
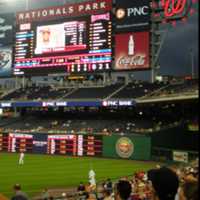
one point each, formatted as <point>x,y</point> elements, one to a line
<point>165,183</point>
<point>19,195</point>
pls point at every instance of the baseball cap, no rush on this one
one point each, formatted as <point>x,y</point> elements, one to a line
<point>165,182</point>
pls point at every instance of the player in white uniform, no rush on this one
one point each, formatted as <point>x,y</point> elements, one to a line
<point>92,179</point>
<point>21,158</point>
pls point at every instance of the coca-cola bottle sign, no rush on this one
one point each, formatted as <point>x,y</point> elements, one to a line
<point>132,51</point>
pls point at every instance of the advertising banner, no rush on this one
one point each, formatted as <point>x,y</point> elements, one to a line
<point>6,44</point>
<point>132,15</point>
<point>132,51</point>
<point>180,156</point>
<point>40,143</point>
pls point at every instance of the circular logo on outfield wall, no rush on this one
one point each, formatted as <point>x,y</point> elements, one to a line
<point>124,147</point>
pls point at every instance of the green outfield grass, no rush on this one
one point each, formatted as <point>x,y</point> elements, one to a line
<point>41,171</point>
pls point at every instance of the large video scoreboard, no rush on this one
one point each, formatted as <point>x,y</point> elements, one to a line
<point>70,38</point>
<point>72,145</point>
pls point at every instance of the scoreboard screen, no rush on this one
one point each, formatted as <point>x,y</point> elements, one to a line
<point>90,145</point>
<point>20,142</point>
<point>3,142</point>
<point>69,42</point>
<point>62,144</point>
<point>72,145</point>
<point>75,145</point>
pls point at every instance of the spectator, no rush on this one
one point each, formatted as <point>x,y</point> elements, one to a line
<point>45,195</point>
<point>19,195</point>
<point>108,185</point>
<point>91,196</point>
<point>189,191</point>
<point>123,190</point>
<point>165,183</point>
<point>81,188</point>
<point>107,195</point>
<point>100,191</point>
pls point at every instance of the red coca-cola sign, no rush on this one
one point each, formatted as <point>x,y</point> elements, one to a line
<point>132,51</point>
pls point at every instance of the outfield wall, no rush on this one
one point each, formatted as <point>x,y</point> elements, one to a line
<point>122,147</point>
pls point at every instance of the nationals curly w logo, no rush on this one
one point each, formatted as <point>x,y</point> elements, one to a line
<point>173,7</point>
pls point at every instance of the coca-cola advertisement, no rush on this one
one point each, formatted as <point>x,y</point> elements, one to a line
<point>132,51</point>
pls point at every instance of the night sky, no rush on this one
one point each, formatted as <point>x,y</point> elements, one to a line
<point>175,55</point>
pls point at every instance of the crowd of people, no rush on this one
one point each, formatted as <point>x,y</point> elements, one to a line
<point>93,121</point>
<point>161,183</point>
<point>108,127</point>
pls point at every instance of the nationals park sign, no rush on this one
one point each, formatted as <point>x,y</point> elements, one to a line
<point>67,10</point>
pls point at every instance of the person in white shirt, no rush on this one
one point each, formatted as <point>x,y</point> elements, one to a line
<point>92,179</point>
<point>21,158</point>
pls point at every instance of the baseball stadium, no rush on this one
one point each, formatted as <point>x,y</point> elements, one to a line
<point>99,100</point>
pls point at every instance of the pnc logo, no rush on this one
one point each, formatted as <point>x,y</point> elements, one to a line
<point>120,13</point>
<point>138,11</point>
<point>132,12</point>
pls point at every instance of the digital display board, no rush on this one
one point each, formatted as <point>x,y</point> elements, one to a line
<point>3,142</point>
<point>20,142</point>
<point>72,145</point>
<point>72,38</point>
<point>75,145</point>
